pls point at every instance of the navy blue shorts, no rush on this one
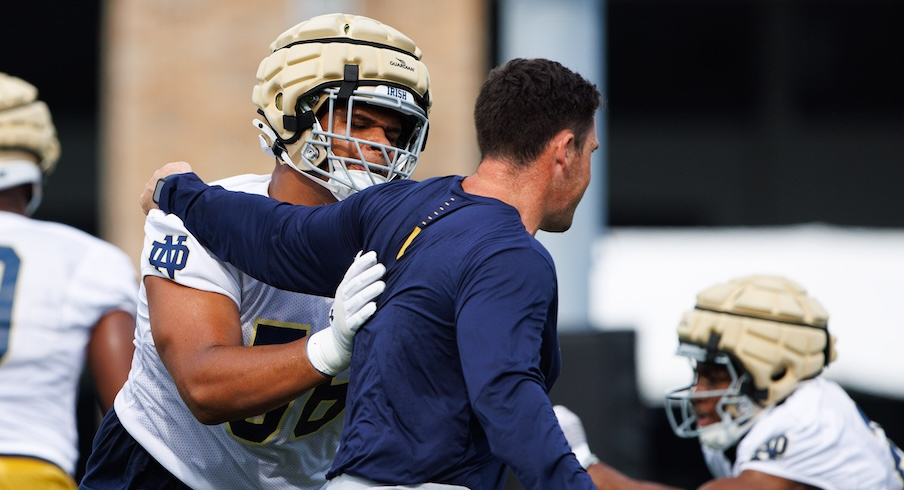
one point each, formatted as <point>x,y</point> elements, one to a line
<point>118,462</point>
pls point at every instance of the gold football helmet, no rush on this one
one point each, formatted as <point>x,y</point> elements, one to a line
<point>27,137</point>
<point>341,61</point>
<point>768,333</point>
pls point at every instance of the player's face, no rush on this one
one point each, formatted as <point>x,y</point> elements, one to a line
<point>709,377</point>
<point>374,124</point>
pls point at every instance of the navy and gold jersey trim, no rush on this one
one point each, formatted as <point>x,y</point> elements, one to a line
<point>443,210</point>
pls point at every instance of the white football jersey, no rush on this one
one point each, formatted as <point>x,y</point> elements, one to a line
<point>56,282</point>
<point>290,447</point>
<point>819,437</point>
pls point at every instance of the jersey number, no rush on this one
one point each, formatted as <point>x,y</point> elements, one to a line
<point>9,273</point>
<point>325,403</point>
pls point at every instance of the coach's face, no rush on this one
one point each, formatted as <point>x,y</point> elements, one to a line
<point>571,185</point>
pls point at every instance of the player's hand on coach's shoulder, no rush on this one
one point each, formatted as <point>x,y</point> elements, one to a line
<point>330,349</point>
<point>604,476</point>
<point>146,199</point>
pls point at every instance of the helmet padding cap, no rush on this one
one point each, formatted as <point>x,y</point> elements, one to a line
<point>25,128</point>
<point>769,325</point>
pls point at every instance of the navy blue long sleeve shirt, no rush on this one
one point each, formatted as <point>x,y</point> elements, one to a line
<point>450,377</point>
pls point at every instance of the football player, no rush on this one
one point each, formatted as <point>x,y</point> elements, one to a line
<point>64,294</point>
<point>237,384</point>
<point>763,415</point>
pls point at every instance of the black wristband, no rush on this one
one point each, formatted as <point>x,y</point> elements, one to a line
<point>159,188</point>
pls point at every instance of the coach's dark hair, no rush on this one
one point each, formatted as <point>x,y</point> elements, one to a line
<point>525,102</point>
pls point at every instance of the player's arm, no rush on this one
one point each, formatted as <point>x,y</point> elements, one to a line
<point>296,248</point>
<point>606,477</point>
<point>198,335</point>
<point>755,480</point>
<point>110,352</point>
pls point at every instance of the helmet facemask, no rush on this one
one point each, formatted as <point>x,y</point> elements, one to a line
<point>344,172</point>
<point>735,408</point>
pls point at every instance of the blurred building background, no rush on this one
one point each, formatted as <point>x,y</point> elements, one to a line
<point>740,135</point>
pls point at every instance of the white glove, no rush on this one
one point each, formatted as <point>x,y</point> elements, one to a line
<point>574,432</point>
<point>330,349</point>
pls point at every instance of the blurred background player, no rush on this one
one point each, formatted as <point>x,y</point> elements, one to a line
<point>63,294</point>
<point>764,416</point>
<point>230,389</point>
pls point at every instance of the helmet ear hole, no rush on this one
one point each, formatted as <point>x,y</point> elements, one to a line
<point>783,382</point>
<point>779,374</point>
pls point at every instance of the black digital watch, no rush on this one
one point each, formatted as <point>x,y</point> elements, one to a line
<point>158,189</point>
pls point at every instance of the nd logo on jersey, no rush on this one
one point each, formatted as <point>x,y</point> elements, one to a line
<point>169,255</point>
<point>771,449</point>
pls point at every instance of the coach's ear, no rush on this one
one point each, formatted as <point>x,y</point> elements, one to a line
<point>561,151</point>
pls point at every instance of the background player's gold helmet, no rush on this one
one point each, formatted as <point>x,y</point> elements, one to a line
<point>27,135</point>
<point>770,335</point>
<point>333,60</point>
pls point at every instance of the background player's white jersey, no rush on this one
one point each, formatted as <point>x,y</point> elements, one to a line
<point>56,282</point>
<point>819,437</point>
<point>290,447</point>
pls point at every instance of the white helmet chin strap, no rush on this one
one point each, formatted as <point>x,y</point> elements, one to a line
<point>360,178</point>
<point>721,436</point>
<point>266,146</point>
<point>726,433</point>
